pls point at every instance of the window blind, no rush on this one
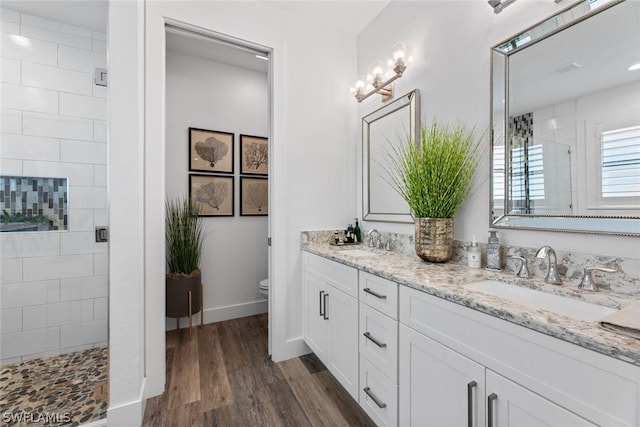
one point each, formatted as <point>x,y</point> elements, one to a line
<point>620,162</point>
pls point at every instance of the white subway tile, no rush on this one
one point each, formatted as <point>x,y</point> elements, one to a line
<point>81,242</point>
<point>565,121</point>
<point>10,121</point>
<point>45,76</point>
<point>99,131</point>
<point>37,21</point>
<point>84,288</point>
<point>544,114</point>
<point>29,98</point>
<point>11,270</point>
<point>26,49</point>
<point>101,264</point>
<point>55,36</point>
<point>83,106</point>
<point>99,46</point>
<point>83,152</point>
<point>29,147</point>
<point>83,333</point>
<point>566,134</point>
<point>100,176</point>
<point>100,36</point>
<point>88,198</point>
<point>76,173</point>
<point>16,245</point>
<point>59,267</point>
<point>81,60</point>
<point>57,314</point>
<point>101,308</point>
<point>9,15</point>
<point>28,342</point>
<point>80,219</point>
<point>100,91</point>
<point>10,361</point>
<point>10,70</point>
<point>29,293</point>
<point>11,320</point>
<point>55,126</point>
<point>10,27</point>
<point>101,217</point>
<point>10,167</point>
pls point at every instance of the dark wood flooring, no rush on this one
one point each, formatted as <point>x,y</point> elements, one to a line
<point>223,376</point>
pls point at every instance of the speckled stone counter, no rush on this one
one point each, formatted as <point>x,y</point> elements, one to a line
<point>446,281</point>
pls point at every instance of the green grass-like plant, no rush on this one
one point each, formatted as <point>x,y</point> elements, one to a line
<point>435,176</point>
<point>184,236</point>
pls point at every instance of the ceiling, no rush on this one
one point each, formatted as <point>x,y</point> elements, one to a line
<point>91,14</point>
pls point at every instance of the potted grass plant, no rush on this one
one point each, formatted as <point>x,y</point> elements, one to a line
<point>184,237</point>
<point>435,178</point>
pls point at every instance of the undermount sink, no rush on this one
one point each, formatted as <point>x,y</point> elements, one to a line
<point>564,306</point>
<point>358,253</point>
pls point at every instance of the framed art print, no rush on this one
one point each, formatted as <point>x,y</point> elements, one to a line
<point>254,155</point>
<point>254,196</point>
<point>213,194</point>
<point>210,151</point>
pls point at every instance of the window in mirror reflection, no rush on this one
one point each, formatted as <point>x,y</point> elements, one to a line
<point>620,164</point>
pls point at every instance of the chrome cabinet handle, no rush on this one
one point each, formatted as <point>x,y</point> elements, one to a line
<point>325,307</point>
<point>375,294</point>
<point>490,415</point>
<point>368,336</point>
<point>470,407</point>
<point>375,399</point>
<point>320,313</point>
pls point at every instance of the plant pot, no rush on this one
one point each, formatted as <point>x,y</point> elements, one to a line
<point>434,239</point>
<point>177,294</point>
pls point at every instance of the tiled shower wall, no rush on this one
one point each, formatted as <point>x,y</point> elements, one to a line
<point>53,287</point>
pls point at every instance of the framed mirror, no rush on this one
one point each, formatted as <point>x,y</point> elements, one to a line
<point>565,120</point>
<point>380,129</point>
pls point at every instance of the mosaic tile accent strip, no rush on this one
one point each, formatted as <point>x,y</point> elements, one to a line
<point>33,203</point>
<point>65,390</point>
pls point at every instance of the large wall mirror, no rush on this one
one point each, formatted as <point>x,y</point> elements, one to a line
<point>566,122</point>
<point>380,130</point>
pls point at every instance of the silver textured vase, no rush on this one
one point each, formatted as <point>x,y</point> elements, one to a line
<point>434,239</point>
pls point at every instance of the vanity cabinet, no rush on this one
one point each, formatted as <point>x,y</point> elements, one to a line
<point>331,317</point>
<point>522,377</point>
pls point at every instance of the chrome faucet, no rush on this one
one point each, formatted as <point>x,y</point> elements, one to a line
<point>523,271</point>
<point>587,283</point>
<point>376,242</point>
<point>552,270</point>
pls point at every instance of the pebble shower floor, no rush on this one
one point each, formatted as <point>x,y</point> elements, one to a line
<point>65,390</point>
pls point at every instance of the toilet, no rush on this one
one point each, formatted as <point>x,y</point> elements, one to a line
<point>263,288</point>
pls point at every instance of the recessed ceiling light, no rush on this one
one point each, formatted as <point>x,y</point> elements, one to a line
<point>262,57</point>
<point>634,67</point>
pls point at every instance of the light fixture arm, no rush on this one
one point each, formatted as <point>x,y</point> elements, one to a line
<point>383,88</point>
<point>400,57</point>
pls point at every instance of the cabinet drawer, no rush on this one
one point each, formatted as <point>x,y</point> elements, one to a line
<point>338,275</point>
<point>378,395</point>
<point>379,293</point>
<point>379,340</point>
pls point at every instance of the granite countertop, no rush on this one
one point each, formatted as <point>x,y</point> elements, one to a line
<point>446,281</point>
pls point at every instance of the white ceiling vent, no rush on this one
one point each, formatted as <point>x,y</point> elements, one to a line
<point>565,68</point>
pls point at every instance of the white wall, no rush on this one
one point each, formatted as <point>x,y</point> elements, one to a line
<point>54,284</point>
<point>451,43</point>
<point>210,95</point>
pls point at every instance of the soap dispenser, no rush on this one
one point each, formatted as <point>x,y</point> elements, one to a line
<point>474,254</point>
<point>493,251</point>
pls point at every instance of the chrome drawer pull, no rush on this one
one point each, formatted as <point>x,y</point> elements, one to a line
<point>490,414</point>
<point>375,294</point>
<point>368,336</point>
<point>373,397</point>
<point>470,406</point>
<point>324,315</point>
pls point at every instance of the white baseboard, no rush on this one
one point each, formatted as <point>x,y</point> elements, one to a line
<point>99,423</point>
<point>219,314</point>
<point>129,414</point>
<point>293,347</point>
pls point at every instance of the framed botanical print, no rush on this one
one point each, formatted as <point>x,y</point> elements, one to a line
<point>210,151</point>
<point>254,196</point>
<point>254,155</point>
<point>213,194</point>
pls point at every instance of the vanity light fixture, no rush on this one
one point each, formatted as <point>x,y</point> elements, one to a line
<point>378,80</point>
<point>498,5</point>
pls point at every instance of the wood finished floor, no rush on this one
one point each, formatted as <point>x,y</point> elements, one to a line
<point>223,376</point>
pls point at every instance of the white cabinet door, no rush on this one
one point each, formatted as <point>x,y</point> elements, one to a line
<point>316,325</point>
<point>509,404</point>
<point>342,311</point>
<point>438,386</point>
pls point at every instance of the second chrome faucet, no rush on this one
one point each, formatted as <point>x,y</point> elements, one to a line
<point>552,270</point>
